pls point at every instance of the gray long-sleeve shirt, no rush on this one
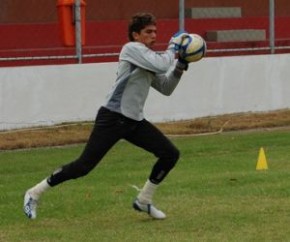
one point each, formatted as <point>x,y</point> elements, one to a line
<point>139,69</point>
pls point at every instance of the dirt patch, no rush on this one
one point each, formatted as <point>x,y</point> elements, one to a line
<point>73,133</point>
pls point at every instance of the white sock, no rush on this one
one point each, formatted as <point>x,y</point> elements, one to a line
<point>146,194</point>
<point>38,189</point>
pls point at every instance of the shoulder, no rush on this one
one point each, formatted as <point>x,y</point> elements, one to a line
<point>134,52</point>
<point>134,47</point>
<point>138,53</point>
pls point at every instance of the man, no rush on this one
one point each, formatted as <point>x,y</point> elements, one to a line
<point>121,116</point>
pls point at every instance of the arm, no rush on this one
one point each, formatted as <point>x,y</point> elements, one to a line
<point>139,55</point>
<point>166,84</point>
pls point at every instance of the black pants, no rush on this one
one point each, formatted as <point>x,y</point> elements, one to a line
<point>109,128</point>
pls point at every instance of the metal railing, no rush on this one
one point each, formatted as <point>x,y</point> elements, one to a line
<point>80,55</point>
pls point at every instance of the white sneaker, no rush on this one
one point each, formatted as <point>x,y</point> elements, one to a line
<point>148,208</point>
<point>30,205</point>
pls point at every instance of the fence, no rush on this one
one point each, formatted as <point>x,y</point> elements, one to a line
<point>230,27</point>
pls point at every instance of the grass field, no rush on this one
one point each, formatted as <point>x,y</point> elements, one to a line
<point>213,194</point>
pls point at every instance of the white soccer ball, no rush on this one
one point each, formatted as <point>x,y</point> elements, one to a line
<point>193,48</point>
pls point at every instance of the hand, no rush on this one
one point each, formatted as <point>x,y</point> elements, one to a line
<point>176,40</point>
<point>181,64</point>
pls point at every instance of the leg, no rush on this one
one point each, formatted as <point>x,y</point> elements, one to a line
<point>151,139</point>
<point>108,129</point>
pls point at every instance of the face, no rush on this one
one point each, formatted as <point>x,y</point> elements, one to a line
<point>147,36</point>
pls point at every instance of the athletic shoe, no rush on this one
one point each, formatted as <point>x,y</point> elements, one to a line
<point>30,205</point>
<point>148,208</point>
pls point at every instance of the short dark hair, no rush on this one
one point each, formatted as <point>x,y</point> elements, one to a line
<point>138,22</point>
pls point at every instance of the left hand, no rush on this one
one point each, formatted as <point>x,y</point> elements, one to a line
<point>182,64</point>
<point>176,40</point>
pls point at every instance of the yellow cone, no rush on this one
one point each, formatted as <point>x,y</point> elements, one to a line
<point>262,162</point>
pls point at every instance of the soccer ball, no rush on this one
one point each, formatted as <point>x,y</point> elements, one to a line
<point>193,48</point>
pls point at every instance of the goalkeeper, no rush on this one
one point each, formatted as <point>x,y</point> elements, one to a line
<point>121,116</point>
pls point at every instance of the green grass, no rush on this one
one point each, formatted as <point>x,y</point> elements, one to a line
<point>213,194</point>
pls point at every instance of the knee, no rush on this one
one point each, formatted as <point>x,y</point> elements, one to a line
<point>170,157</point>
<point>175,154</point>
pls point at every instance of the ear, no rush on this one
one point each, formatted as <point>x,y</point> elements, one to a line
<point>135,36</point>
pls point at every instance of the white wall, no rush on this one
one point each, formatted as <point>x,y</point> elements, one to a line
<point>45,95</point>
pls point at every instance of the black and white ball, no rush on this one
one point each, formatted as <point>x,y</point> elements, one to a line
<point>193,48</point>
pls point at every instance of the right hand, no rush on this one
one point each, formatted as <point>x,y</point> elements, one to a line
<point>176,40</point>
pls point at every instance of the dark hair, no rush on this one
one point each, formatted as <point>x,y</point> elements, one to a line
<point>138,22</point>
